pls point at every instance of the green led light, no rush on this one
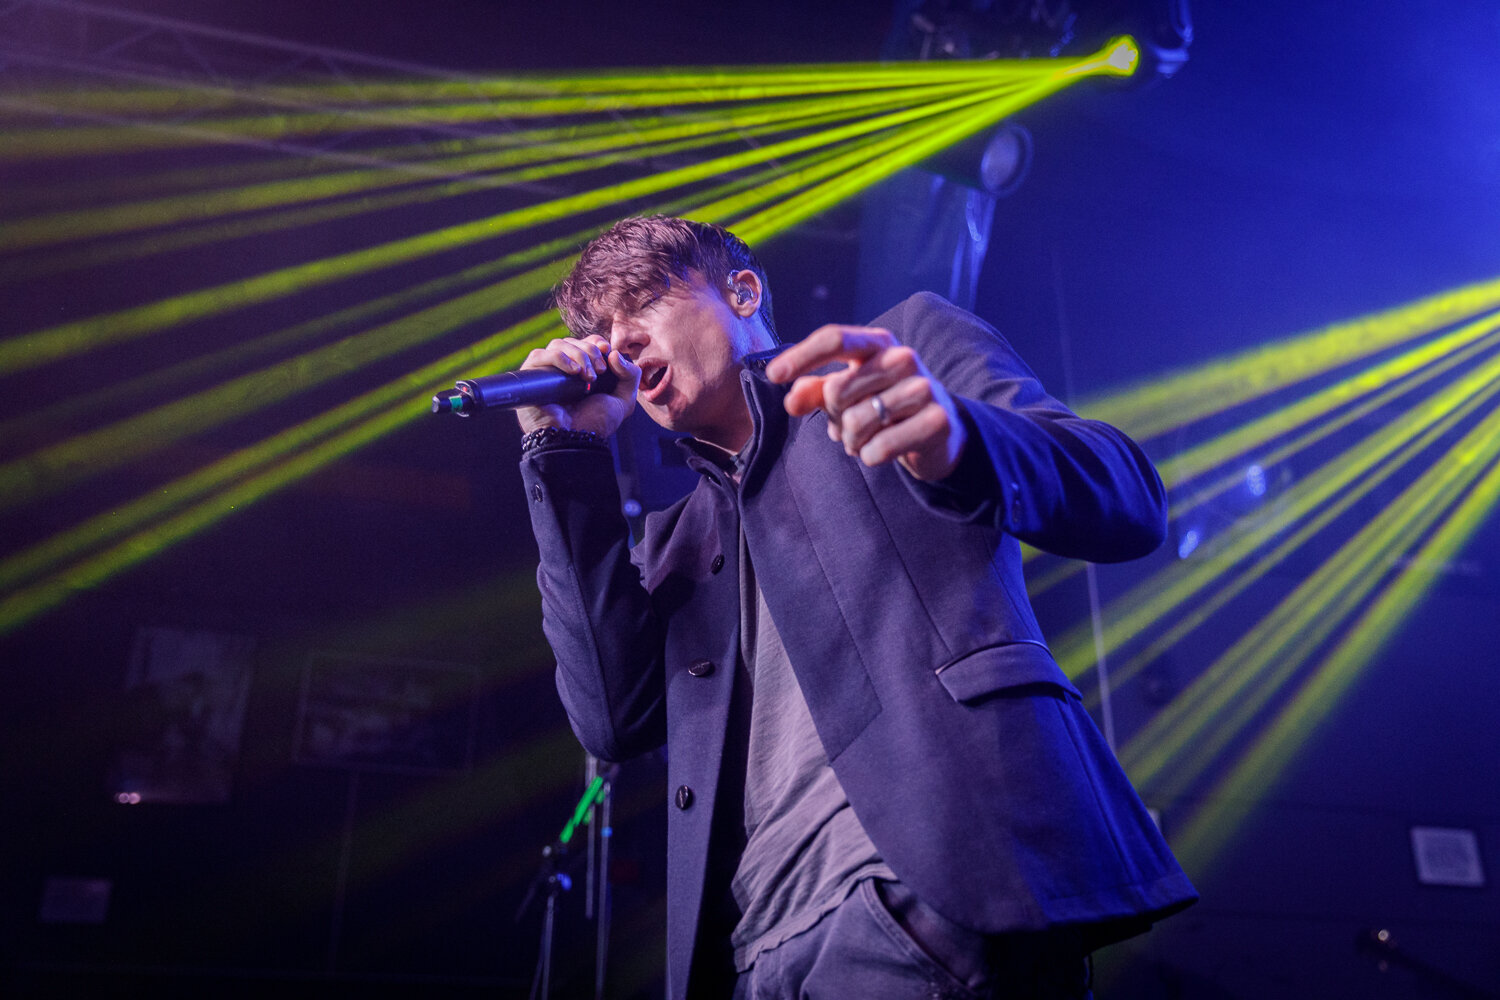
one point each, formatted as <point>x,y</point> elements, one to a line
<point>585,806</point>
<point>1465,501</point>
<point>1123,56</point>
<point>38,348</point>
<point>562,151</point>
<point>1319,496</point>
<point>1164,404</point>
<point>296,113</point>
<point>88,554</point>
<point>821,134</point>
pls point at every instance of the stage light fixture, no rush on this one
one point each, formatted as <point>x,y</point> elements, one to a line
<point>995,162</point>
<point>1006,160</point>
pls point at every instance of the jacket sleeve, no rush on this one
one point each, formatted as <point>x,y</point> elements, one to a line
<point>596,615</point>
<point>1031,467</point>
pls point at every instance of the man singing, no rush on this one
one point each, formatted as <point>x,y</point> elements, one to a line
<point>881,784</point>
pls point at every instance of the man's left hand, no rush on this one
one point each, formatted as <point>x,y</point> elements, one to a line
<point>884,405</point>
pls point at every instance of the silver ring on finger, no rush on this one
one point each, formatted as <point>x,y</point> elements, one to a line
<point>882,412</point>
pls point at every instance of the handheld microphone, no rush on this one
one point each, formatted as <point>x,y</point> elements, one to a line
<point>530,387</point>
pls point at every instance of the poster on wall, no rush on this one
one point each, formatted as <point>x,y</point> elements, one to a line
<point>373,713</point>
<point>182,716</point>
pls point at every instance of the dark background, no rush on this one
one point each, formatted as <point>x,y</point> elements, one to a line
<point>1312,162</point>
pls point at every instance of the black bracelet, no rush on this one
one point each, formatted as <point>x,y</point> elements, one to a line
<point>544,436</point>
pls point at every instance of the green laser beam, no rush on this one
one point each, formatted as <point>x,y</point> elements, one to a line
<point>1284,738</point>
<point>34,349</point>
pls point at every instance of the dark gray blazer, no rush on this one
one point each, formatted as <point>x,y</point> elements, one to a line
<point>964,750</point>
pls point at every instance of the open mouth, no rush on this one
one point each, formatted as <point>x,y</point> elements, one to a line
<point>652,377</point>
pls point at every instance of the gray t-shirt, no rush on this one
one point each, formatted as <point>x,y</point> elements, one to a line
<point>804,850</point>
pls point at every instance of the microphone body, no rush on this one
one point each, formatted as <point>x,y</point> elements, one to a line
<point>531,387</point>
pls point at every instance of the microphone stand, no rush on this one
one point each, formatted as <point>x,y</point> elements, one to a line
<point>552,877</point>
<point>557,882</point>
<point>596,893</point>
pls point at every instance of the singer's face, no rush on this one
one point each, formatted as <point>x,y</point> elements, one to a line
<point>689,345</point>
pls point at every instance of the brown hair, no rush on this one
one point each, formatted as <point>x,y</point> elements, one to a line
<point>633,263</point>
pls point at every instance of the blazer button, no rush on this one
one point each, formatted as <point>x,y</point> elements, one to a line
<point>684,797</point>
<point>701,668</point>
<point>717,564</point>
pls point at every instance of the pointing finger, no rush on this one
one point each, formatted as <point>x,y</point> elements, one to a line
<point>825,345</point>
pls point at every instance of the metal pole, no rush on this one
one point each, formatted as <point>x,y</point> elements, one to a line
<point>605,833</point>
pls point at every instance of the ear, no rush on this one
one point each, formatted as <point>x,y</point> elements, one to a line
<point>743,293</point>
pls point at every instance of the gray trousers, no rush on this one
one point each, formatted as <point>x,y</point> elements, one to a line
<point>882,943</point>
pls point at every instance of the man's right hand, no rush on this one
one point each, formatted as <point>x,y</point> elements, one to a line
<point>601,413</point>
